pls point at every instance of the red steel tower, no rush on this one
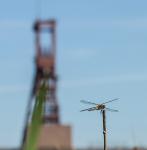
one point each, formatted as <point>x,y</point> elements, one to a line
<point>52,134</point>
<point>45,67</point>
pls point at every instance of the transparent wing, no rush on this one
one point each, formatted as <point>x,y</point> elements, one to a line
<point>89,109</point>
<point>110,101</point>
<point>87,102</point>
<point>112,110</point>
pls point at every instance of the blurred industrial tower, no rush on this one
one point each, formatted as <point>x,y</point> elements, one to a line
<point>52,134</point>
<point>45,66</point>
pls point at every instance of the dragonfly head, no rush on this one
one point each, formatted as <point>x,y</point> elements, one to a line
<point>101,107</point>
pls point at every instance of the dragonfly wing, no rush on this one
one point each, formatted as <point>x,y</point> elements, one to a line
<point>110,101</point>
<point>112,110</point>
<point>89,109</point>
<point>87,102</point>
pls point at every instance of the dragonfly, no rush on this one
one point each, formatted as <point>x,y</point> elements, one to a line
<point>100,107</point>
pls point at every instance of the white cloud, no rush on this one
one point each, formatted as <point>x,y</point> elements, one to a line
<point>11,24</point>
<point>82,23</point>
<point>94,81</point>
<point>13,88</point>
<point>105,23</point>
<point>81,53</point>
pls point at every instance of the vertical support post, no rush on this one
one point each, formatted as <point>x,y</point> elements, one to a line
<point>104,129</point>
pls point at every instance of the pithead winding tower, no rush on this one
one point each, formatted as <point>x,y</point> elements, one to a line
<point>43,130</point>
<point>45,67</point>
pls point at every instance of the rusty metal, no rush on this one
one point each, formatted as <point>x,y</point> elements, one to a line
<point>45,68</point>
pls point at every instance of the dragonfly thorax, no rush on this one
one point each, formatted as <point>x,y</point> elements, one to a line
<point>100,107</point>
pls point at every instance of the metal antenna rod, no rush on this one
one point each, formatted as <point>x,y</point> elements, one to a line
<point>104,129</point>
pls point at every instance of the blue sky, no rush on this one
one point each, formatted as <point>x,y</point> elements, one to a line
<point>101,55</point>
